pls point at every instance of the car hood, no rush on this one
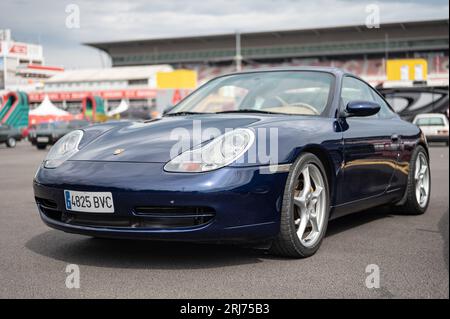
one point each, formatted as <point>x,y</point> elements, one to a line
<point>152,141</point>
<point>158,141</point>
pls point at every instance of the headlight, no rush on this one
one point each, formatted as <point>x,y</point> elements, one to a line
<point>218,153</point>
<point>63,149</point>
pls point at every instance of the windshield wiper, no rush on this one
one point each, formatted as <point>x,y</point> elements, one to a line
<point>246,111</point>
<point>184,113</point>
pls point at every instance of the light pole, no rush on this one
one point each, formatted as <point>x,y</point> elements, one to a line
<point>238,56</point>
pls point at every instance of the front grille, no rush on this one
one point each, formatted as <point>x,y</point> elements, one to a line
<point>162,216</point>
<point>143,217</point>
<point>174,211</point>
<point>47,203</point>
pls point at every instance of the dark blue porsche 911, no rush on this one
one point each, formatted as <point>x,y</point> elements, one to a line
<point>255,157</point>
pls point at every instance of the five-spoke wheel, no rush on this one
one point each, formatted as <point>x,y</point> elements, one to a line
<point>418,189</point>
<point>309,205</point>
<point>305,210</point>
<point>422,179</point>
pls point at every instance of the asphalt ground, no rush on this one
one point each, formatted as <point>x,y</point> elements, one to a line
<point>411,253</point>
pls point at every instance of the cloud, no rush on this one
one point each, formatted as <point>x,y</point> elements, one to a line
<point>44,21</point>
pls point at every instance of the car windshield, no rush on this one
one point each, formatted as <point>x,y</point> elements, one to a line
<point>281,92</point>
<point>430,121</point>
<point>43,126</point>
<point>78,124</point>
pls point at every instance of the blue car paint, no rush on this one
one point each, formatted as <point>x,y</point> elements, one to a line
<point>365,167</point>
<point>234,194</point>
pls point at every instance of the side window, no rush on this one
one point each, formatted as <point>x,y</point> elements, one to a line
<point>385,111</point>
<point>353,89</point>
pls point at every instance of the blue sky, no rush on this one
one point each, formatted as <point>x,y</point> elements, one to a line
<point>44,21</point>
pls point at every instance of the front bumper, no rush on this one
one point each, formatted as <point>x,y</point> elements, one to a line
<point>50,140</point>
<point>244,203</point>
<point>437,138</point>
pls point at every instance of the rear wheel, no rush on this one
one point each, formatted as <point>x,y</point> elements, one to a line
<point>11,142</point>
<point>419,184</point>
<point>305,210</point>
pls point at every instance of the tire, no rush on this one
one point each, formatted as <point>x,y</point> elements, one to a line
<point>412,204</point>
<point>11,142</point>
<point>288,242</point>
<point>41,146</point>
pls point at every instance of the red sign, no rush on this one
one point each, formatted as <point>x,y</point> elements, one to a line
<point>18,49</point>
<point>45,68</point>
<point>107,95</point>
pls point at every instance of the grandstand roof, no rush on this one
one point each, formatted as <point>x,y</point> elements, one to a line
<point>109,74</point>
<point>330,41</point>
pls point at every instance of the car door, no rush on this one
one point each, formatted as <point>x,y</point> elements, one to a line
<point>3,133</point>
<point>370,146</point>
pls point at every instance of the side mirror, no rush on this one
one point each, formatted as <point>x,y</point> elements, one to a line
<point>361,108</point>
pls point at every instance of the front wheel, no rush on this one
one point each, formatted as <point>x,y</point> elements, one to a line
<point>305,209</point>
<point>11,142</point>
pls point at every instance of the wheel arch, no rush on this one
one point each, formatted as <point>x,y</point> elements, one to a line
<point>425,146</point>
<point>422,141</point>
<point>327,163</point>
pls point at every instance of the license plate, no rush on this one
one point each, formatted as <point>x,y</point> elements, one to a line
<point>42,139</point>
<point>89,202</point>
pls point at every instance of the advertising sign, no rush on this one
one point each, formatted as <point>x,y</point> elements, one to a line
<point>105,94</point>
<point>20,49</point>
<point>407,70</point>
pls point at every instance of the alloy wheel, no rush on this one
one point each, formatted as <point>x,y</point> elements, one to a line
<point>309,205</point>
<point>422,180</point>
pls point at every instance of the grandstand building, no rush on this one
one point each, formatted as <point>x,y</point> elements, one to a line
<point>362,50</point>
<point>22,65</point>
<point>135,84</point>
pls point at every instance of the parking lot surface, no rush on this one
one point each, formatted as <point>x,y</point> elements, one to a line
<point>410,251</point>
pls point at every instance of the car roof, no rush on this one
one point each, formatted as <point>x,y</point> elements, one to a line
<point>425,115</point>
<point>327,69</point>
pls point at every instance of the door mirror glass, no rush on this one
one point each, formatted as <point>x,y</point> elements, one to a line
<point>362,108</point>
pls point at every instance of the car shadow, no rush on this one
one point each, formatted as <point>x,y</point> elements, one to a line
<point>351,221</point>
<point>141,254</point>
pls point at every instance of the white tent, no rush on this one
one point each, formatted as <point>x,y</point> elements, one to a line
<point>47,108</point>
<point>123,106</point>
